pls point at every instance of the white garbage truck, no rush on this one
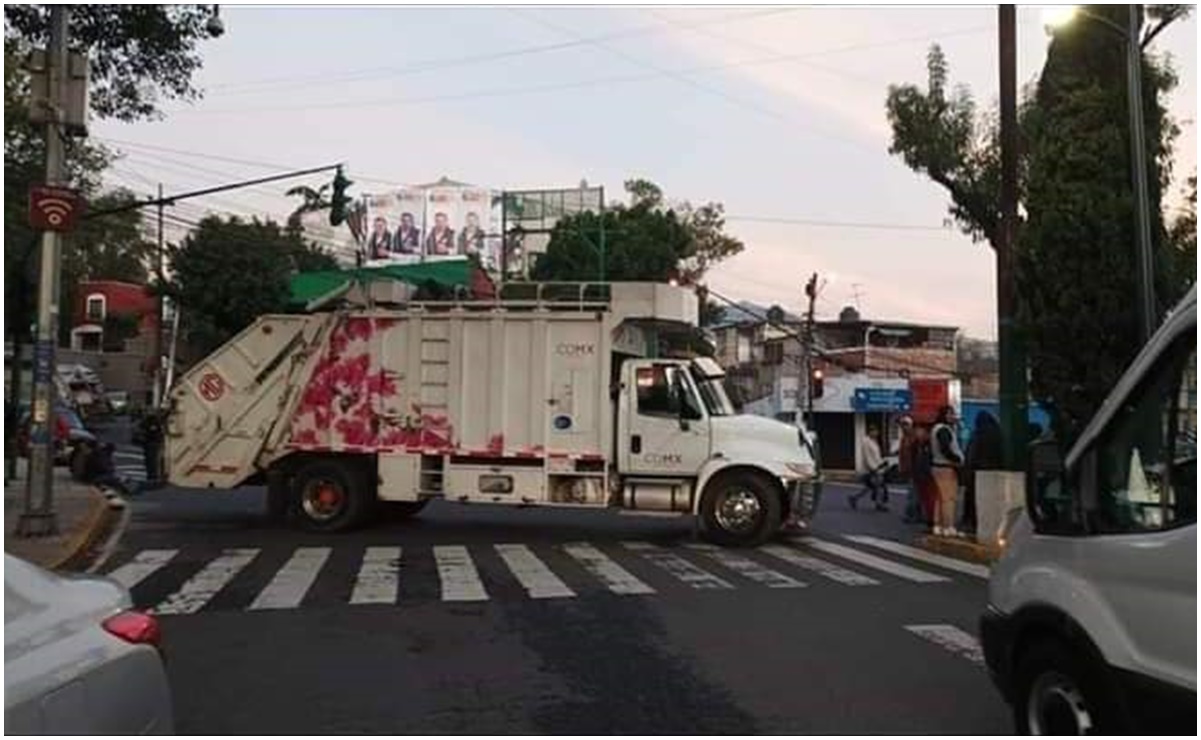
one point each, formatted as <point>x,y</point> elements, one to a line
<point>554,398</point>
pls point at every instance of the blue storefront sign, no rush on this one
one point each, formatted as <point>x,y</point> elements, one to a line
<point>882,399</point>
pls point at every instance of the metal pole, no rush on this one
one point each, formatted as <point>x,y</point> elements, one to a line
<point>807,347</point>
<point>1013,394</point>
<point>155,391</point>
<point>38,517</point>
<point>1149,317</point>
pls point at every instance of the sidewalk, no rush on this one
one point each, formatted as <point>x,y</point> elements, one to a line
<point>84,514</point>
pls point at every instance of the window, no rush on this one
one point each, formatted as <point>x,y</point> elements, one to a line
<point>661,391</point>
<point>1147,459</point>
<point>95,308</point>
<point>773,353</point>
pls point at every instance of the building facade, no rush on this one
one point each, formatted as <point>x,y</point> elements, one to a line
<point>872,372</point>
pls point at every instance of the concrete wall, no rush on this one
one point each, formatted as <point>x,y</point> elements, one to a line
<point>118,371</point>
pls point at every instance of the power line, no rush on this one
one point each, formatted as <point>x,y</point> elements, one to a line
<point>838,224</point>
<point>283,83</point>
<point>553,87</point>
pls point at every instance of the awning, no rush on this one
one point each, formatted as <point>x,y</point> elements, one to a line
<point>308,287</point>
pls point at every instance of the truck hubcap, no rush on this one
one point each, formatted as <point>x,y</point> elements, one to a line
<point>323,500</point>
<point>1057,707</point>
<point>738,511</point>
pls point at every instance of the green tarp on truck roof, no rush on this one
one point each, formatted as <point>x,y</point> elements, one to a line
<point>309,286</point>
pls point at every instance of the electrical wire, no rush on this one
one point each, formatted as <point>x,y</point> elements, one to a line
<point>419,67</point>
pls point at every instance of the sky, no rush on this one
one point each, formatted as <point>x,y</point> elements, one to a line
<point>776,112</point>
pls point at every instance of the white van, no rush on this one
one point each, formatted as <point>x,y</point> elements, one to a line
<point>1091,626</point>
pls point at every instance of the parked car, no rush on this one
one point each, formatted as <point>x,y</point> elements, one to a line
<point>77,659</point>
<point>1091,626</point>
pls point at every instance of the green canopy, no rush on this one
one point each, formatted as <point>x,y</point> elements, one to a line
<point>310,286</point>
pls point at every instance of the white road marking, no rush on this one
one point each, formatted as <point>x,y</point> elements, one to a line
<point>532,573</point>
<point>142,565</point>
<point>677,566</point>
<point>130,456</point>
<point>200,588</point>
<point>820,567</point>
<point>293,580</point>
<point>872,561</point>
<point>952,638</point>
<point>746,567</point>
<point>460,580</point>
<point>942,561</point>
<point>616,578</point>
<point>378,580</point>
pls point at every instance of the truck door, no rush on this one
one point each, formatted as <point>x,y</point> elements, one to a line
<point>664,428</point>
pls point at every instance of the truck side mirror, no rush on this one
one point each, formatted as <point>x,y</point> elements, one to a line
<point>1049,502</point>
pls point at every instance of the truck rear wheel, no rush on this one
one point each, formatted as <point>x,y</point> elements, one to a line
<point>740,509</point>
<point>330,496</point>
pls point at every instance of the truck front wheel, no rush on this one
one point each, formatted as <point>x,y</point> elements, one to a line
<point>330,496</point>
<point>740,509</point>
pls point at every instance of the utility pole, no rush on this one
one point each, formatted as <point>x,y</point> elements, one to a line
<point>807,348</point>
<point>1013,394</point>
<point>1149,317</point>
<point>155,391</point>
<point>38,517</point>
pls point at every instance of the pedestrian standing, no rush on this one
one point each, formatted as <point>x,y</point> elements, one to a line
<point>906,447</point>
<point>983,453</point>
<point>152,445</point>
<point>872,474</point>
<point>947,459</point>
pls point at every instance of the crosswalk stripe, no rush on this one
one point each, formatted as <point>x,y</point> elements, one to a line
<point>871,561</point>
<point>925,556</point>
<point>460,579</point>
<point>746,567</point>
<point>952,638</point>
<point>532,573</point>
<point>821,567</point>
<point>200,588</point>
<point>141,566</point>
<point>678,566</point>
<point>616,578</point>
<point>130,456</point>
<point>378,579</point>
<point>293,581</point>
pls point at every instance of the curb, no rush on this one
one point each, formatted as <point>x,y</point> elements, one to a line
<point>961,549</point>
<point>83,542</point>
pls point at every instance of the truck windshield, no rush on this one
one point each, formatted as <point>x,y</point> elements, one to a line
<point>714,395</point>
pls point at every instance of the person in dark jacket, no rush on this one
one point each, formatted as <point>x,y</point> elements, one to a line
<point>102,471</point>
<point>152,445</point>
<point>983,453</point>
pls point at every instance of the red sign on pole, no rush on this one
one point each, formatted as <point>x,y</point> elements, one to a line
<point>53,208</point>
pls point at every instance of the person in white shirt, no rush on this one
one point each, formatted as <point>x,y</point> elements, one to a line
<point>872,473</point>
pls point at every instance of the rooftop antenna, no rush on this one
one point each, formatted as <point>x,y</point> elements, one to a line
<point>856,293</point>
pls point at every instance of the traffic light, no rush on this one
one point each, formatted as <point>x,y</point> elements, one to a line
<point>340,202</point>
<point>817,384</point>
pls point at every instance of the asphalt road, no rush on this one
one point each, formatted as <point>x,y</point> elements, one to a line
<point>272,631</point>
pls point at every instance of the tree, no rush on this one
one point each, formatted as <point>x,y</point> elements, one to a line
<point>138,55</point>
<point>644,240</point>
<point>228,272</point>
<point>1065,284</point>
<point>1182,240</point>
<point>311,201</point>
<point>940,133</point>
<point>1076,257</point>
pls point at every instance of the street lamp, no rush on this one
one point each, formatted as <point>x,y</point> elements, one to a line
<point>1059,17</point>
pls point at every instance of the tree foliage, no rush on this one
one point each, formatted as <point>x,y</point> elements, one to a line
<point>646,239</point>
<point>138,54</point>
<point>1077,257</point>
<point>228,272</point>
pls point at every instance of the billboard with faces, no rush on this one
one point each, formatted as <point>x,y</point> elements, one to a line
<point>432,223</point>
